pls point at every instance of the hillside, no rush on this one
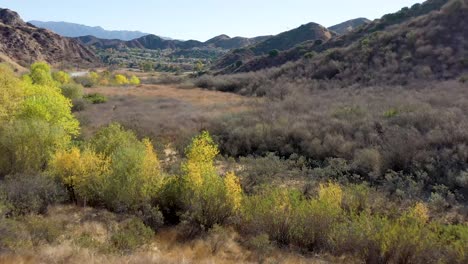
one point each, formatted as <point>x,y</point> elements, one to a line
<point>429,46</point>
<point>280,42</point>
<point>390,25</point>
<point>73,30</point>
<point>24,43</point>
<point>348,26</point>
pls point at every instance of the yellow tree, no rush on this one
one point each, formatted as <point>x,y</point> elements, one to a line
<point>82,172</point>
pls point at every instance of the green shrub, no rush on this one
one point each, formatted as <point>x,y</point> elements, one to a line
<point>391,113</point>
<point>273,53</point>
<point>72,91</point>
<point>135,176</point>
<point>31,193</point>
<point>13,235</point>
<point>131,235</point>
<point>79,105</point>
<point>43,230</point>
<point>95,98</point>
<point>85,81</point>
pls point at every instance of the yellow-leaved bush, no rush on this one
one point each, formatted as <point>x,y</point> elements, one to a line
<point>134,80</point>
<point>208,198</point>
<point>83,173</point>
<point>120,79</point>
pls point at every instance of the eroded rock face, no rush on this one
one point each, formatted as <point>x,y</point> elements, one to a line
<point>24,44</point>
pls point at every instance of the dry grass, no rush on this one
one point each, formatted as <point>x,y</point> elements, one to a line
<point>160,110</point>
<point>165,247</point>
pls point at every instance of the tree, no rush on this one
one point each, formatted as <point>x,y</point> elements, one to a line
<point>45,102</point>
<point>11,93</point>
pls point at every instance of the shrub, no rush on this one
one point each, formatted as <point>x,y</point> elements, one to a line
<point>120,79</point>
<point>95,98</point>
<point>273,53</point>
<point>289,218</point>
<point>40,74</point>
<point>85,81</point>
<point>79,105</point>
<point>131,235</point>
<point>135,176</point>
<point>208,200</point>
<point>43,230</point>
<point>61,77</point>
<point>13,235</point>
<point>72,91</point>
<point>83,173</point>
<point>31,193</point>
<point>134,80</point>
<point>27,145</point>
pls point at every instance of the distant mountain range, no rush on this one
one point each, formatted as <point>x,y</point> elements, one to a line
<point>77,30</point>
<point>23,43</point>
<point>157,43</point>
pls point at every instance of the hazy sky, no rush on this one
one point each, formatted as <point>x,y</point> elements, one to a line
<point>203,19</point>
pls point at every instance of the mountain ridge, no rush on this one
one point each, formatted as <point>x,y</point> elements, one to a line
<point>23,43</point>
<point>72,30</point>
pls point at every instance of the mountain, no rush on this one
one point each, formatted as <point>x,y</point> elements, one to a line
<point>349,25</point>
<point>376,32</point>
<point>226,42</point>
<point>425,42</point>
<point>280,42</point>
<point>24,43</point>
<point>76,30</point>
<point>158,43</point>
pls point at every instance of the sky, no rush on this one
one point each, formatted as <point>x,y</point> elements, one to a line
<point>203,19</point>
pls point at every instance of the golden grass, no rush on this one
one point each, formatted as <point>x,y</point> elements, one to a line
<point>160,110</point>
<point>164,248</point>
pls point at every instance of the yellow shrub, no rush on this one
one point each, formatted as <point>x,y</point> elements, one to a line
<point>233,190</point>
<point>61,77</point>
<point>120,79</point>
<point>81,172</point>
<point>200,161</point>
<point>331,194</point>
<point>134,80</point>
<point>420,212</point>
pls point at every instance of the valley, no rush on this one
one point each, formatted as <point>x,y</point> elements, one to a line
<point>340,144</point>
